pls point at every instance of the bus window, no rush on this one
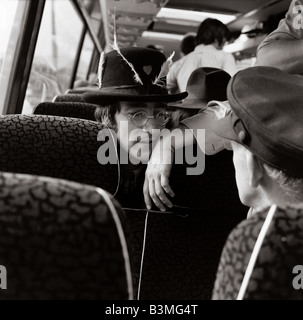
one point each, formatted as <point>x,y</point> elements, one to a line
<point>12,17</point>
<point>85,59</point>
<point>55,53</point>
<point>94,16</point>
<point>7,22</point>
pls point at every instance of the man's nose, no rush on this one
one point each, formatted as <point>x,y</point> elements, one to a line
<point>150,125</point>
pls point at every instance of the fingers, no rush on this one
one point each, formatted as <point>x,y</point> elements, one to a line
<point>155,190</point>
<point>161,193</point>
<point>156,186</point>
<point>154,196</point>
<point>166,186</point>
<point>147,198</point>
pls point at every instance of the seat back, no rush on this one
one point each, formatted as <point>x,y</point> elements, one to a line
<point>277,272</point>
<point>213,190</point>
<point>71,109</point>
<point>53,146</point>
<point>68,98</point>
<point>81,90</point>
<point>182,247</point>
<point>177,255</point>
<point>61,240</point>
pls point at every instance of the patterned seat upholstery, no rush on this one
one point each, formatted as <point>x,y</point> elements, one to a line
<point>277,273</point>
<point>61,240</point>
<point>71,109</point>
<point>53,146</point>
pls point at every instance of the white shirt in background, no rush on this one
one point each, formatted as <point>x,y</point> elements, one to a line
<point>202,56</point>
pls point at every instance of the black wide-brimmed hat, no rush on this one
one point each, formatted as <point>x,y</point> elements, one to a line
<point>203,85</point>
<point>132,74</point>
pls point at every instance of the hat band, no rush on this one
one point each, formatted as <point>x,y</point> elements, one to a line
<point>189,100</point>
<point>135,89</point>
<point>111,88</point>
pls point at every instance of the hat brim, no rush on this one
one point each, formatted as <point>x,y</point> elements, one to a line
<point>106,97</point>
<point>190,104</point>
<point>81,90</point>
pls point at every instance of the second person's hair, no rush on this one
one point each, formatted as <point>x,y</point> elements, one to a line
<point>211,30</point>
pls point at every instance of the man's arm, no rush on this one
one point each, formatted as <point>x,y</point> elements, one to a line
<point>283,48</point>
<point>171,79</point>
<point>286,55</point>
<point>229,64</point>
<point>156,184</point>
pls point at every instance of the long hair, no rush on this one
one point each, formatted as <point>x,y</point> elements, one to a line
<point>106,115</point>
<point>211,30</point>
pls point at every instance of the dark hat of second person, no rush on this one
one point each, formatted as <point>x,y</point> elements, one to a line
<point>132,74</point>
<point>267,117</point>
<point>203,85</point>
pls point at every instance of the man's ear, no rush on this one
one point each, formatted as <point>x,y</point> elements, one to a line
<point>255,169</point>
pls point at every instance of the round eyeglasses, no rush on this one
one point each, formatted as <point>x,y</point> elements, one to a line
<point>140,118</point>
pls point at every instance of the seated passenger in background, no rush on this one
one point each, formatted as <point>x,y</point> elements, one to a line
<point>264,130</point>
<point>205,103</point>
<point>210,40</point>
<point>187,45</point>
<point>132,97</point>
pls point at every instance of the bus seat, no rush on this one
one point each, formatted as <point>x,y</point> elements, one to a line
<point>81,90</point>
<point>68,98</point>
<point>71,109</point>
<point>277,273</point>
<point>61,240</point>
<point>213,206</point>
<point>214,189</point>
<point>181,251</point>
<point>58,147</point>
<point>184,245</point>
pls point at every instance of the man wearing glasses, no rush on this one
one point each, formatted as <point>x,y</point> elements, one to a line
<point>132,99</point>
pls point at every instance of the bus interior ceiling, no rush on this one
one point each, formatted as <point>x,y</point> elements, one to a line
<point>163,23</point>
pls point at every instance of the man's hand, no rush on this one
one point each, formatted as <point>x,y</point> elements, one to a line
<point>156,184</point>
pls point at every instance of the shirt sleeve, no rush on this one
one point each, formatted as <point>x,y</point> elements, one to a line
<point>209,143</point>
<point>289,28</point>
<point>229,64</point>
<point>171,79</point>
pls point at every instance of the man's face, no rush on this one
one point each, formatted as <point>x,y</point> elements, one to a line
<point>129,127</point>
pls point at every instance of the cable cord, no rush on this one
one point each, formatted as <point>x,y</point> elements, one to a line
<point>142,256</point>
